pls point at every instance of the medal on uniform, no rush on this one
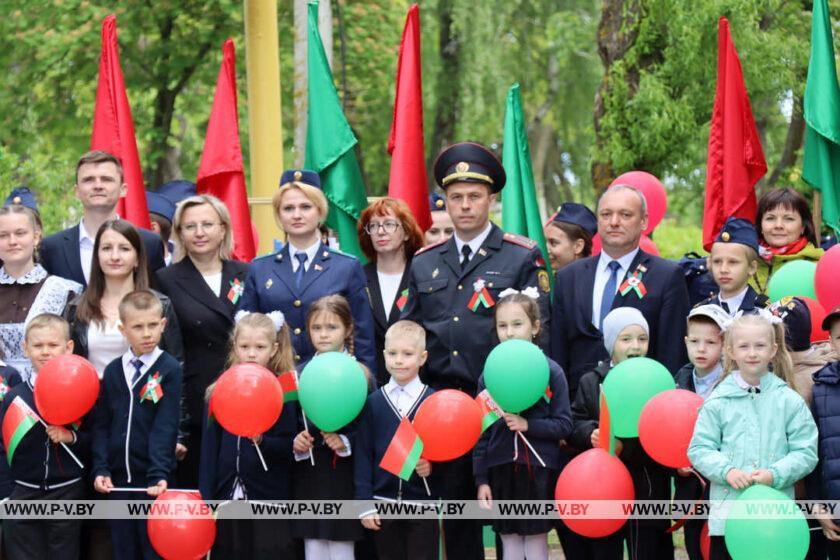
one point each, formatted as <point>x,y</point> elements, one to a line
<point>236,291</point>
<point>268,283</point>
<point>402,300</point>
<point>4,388</point>
<point>152,390</point>
<point>634,283</point>
<point>481,296</point>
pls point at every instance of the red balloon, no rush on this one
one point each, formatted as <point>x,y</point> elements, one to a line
<point>825,279</point>
<point>186,529</point>
<point>247,400</point>
<point>449,425</point>
<point>646,244</point>
<point>666,425</point>
<point>594,475</point>
<point>705,541</point>
<point>817,315</point>
<point>66,389</point>
<point>654,191</point>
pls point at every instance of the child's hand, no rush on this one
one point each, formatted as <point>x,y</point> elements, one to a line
<point>334,441</point>
<point>59,434</point>
<point>103,484</point>
<point>685,471</point>
<point>157,489</point>
<point>595,437</point>
<point>738,479</point>
<point>303,443</point>
<point>485,497</point>
<point>516,423</point>
<point>180,451</point>
<point>762,476</point>
<point>829,528</point>
<point>256,440</point>
<point>423,468</point>
<point>372,522</point>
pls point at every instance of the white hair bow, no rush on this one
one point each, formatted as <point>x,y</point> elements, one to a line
<point>530,291</point>
<point>277,318</point>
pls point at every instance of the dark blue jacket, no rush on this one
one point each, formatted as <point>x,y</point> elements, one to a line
<point>548,423</point>
<point>37,462</point>
<point>226,457</point>
<point>133,439</point>
<point>752,300</point>
<point>825,405</point>
<point>376,428</point>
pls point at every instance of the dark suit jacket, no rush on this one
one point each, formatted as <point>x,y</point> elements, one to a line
<point>59,253</point>
<point>381,320</point>
<point>578,346</point>
<point>206,321</point>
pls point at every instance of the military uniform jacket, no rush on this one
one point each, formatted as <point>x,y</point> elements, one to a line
<point>270,286</point>
<point>458,337</point>
<point>752,301</point>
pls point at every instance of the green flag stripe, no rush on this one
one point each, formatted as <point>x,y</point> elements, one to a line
<point>26,424</point>
<point>488,420</point>
<point>290,396</point>
<point>412,459</point>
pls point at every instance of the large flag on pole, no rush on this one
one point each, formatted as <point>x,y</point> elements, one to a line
<point>520,211</point>
<point>403,453</point>
<point>17,422</point>
<point>113,129</point>
<point>221,172</point>
<point>821,162</point>
<point>408,181</point>
<point>735,159</point>
<point>329,146</point>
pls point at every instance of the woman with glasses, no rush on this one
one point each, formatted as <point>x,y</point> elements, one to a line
<point>204,286</point>
<point>389,237</point>
<point>305,269</point>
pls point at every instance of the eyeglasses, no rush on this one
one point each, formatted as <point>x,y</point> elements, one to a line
<point>389,227</point>
<point>205,226</point>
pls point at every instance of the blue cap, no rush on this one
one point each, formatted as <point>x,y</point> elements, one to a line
<point>577,214</point>
<point>468,162</point>
<point>176,191</point>
<point>797,318</point>
<point>24,197</point>
<point>304,176</point>
<point>160,205</point>
<point>738,230</point>
<point>437,203</point>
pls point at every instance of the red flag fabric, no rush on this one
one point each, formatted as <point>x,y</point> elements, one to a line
<point>736,161</point>
<point>221,172</point>
<point>113,129</point>
<point>408,180</point>
<point>605,433</point>
<point>403,453</point>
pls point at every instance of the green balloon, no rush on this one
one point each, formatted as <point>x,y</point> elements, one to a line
<point>795,278</point>
<point>332,390</point>
<point>751,535</point>
<point>628,387</point>
<point>516,374</point>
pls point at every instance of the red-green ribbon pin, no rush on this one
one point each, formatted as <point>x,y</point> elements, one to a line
<point>236,291</point>
<point>480,296</point>
<point>634,283</point>
<point>152,390</point>
<point>402,300</point>
<point>4,388</point>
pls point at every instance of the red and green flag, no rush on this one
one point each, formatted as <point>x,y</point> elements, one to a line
<point>403,452</point>
<point>289,383</point>
<point>17,422</point>
<point>606,441</point>
<point>490,411</point>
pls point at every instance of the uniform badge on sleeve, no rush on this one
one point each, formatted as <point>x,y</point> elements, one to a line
<point>542,278</point>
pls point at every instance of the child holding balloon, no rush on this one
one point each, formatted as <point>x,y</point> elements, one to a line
<point>754,428</point>
<point>324,462</point>
<point>40,468</point>
<point>230,467</point>
<point>504,465</point>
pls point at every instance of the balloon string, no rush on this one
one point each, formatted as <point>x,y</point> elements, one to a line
<point>426,484</point>
<point>64,445</point>
<point>534,451</point>
<point>260,455</point>
<point>693,511</point>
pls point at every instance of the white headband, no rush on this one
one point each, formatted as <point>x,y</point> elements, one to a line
<point>277,318</point>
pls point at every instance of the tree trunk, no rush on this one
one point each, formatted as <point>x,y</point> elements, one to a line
<point>545,135</point>
<point>793,142</point>
<point>446,109</point>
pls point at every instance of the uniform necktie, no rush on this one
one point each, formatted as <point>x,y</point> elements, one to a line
<point>725,306</point>
<point>302,258</point>
<point>608,295</point>
<point>138,365</point>
<point>466,252</point>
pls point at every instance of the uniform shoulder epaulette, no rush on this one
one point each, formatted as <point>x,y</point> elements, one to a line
<point>520,240</point>
<point>422,250</point>
<point>335,251</point>
<point>267,257</point>
<point>762,301</point>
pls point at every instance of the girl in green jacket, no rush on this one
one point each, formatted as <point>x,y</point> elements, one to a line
<point>754,428</point>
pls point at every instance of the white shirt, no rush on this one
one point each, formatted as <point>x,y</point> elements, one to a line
<point>148,360</point>
<point>602,276</point>
<point>389,285</point>
<point>475,244</point>
<point>310,251</point>
<point>214,281</point>
<point>85,250</point>
<point>734,303</point>
<point>105,344</point>
<point>403,397</point>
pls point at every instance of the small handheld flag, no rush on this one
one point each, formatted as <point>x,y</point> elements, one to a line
<point>289,383</point>
<point>490,411</point>
<point>606,441</point>
<point>403,452</point>
<point>17,422</point>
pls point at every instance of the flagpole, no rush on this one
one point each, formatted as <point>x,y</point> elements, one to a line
<point>818,214</point>
<point>64,445</point>
<point>534,451</point>
<point>426,484</point>
<point>260,455</point>
<point>306,429</point>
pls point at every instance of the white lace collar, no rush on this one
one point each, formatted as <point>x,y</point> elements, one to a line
<point>37,274</point>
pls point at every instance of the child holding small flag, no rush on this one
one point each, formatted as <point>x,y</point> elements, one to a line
<point>135,424</point>
<point>39,466</point>
<point>505,467</point>
<point>230,466</point>
<point>388,465</point>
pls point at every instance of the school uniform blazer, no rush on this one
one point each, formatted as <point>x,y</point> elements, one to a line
<point>577,345</point>
<point>134,437</point>
<point>382,319</point>
<point>752,301</point>
<point>205,321</point>
<point>59,253</point>
<point>270,286</point>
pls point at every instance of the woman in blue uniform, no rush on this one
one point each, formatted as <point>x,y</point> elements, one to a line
<point>305,269</point>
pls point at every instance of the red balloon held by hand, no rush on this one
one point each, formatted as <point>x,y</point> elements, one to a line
<point>181,526</point>
<point>66,389</point>
<point>449,425</point>
<point>666,425</point>
<point>247,400</point>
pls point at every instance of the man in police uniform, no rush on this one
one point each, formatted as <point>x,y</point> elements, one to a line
<point>453,288</point>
